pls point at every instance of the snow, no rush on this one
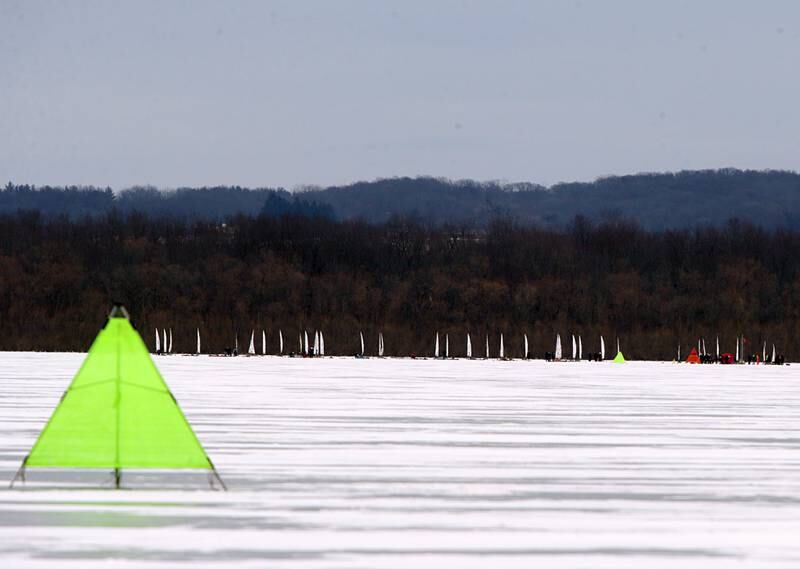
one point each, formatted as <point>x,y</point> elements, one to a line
<point>379,463</point>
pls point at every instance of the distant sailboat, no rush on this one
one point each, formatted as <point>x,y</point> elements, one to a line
<point>236,343</point>
<point>679,352</point>
<point>580,348</point>
<point>447,345</point>
<point>705,353</point>
<point>773,354</point>
<point>487,346</point>
<point>557,354</point>
<point>764,352</point>
<point>158,342</point>
<point>602,348</point>
<point>198,341</point>
<point>321,344</point>
<point>619,358</point>
<point>252,347</point>
<point>300,335</point>
<point>717,353</point>
<point>263,342</point>
<point>469,346</point>
<point>502,348</point>
<point>380,344</point>
<point>170,341</point>
<point>305,339</point>
<point>525,337</point>
<point>361,337</point>
<point>280,342</point>
<point>436,346</point>
<point>574,348</point>
<point>164,344</point>
<point>315,347</point>
<point>737,349</point>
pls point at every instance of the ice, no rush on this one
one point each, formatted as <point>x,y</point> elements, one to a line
<point>387,463</point>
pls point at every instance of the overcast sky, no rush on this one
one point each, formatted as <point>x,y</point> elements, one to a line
<point>291,93</point>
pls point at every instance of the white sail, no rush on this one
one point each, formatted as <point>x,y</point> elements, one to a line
<point>447,345</point>
<point>705,353</point>
<point>699,347</point>
<point>525,336</point>
<point>321,343</point>
<point>718,346</point>
<point>557,354</point>
<point>300,335</point>
<point>602,348</point>
<point>487,346</point>
<point>502,348</point>
<point>737,348</point>
<point>773,353</point>
<point>305,345</point>
<point>236,343</point>
<point>170,341</point>
<point>198,340</point>
<point>436,346</point>
<point>618,350</point>
<point>361,337</point>
<point>280,342</point>
<point>679,352</point>
<point>164,344</point>
<point>252,347</point>
<point>764,352</point>
<point>380,344</point>
<point>158,342</point>
<point>574,348</point>
<point>315,347</point>
<point>580,348</point>
<point>469,346</point>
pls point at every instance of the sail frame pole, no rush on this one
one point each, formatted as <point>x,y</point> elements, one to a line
<point>118,405</point>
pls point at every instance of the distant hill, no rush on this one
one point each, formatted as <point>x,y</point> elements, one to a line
<point>770,199</point>
<point>656,201</point>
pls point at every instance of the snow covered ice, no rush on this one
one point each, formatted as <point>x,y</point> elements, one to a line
<point>379,463</point>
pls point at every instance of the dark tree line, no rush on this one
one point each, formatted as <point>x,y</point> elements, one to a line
<point>657,202</point>
<point>58,277</point>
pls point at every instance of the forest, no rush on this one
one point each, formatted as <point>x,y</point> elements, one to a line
<point>656,202</point>
<point>292,272</point>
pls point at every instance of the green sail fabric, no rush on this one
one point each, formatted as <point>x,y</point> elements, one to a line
<point>118,413</point>
<point>620,359</point>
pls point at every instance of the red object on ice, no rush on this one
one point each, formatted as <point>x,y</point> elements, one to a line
<point>693,358</point>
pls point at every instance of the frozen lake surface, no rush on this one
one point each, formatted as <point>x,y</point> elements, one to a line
<point>336,463</point>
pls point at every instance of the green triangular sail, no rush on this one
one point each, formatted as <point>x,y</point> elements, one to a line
<point>619,359</point>
<point>118,413</point>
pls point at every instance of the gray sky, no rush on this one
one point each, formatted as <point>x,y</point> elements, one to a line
<point>291,93</point>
